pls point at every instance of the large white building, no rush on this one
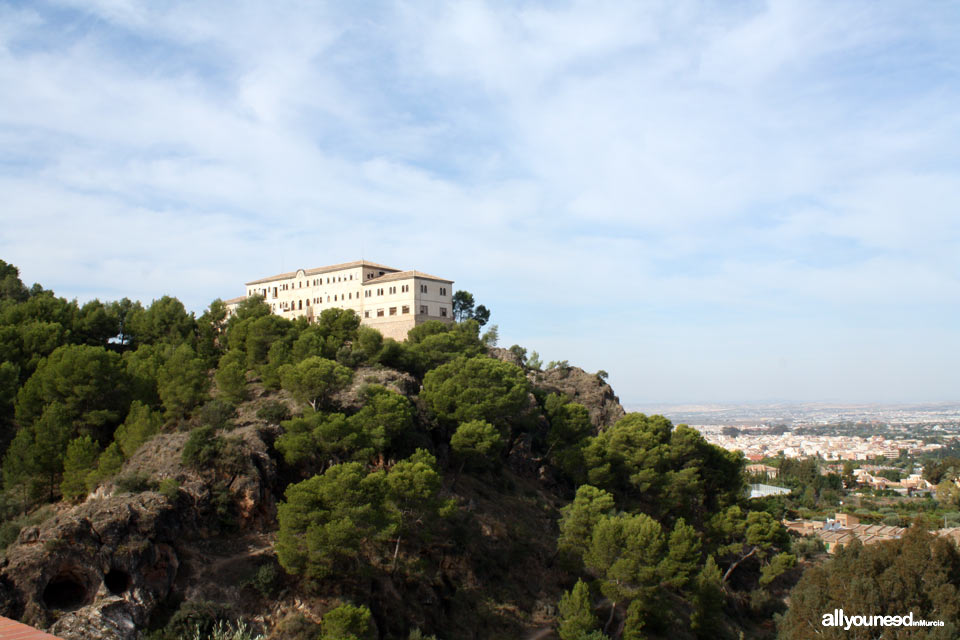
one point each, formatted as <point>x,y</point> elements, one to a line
<point>385,298</point>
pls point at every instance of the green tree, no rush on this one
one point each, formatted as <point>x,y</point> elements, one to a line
<point>413,495</point>
<point>142,367</point>
<point>338,326</point>
<point>141,424</point>
<point>738,536</point>
<point>683,556</point>
<point>311,342</point>
<point>328,519</point>
<point>108,465</point>
<point>324,438</point>
<point>918,574</point>
<point>624,552</point>
<point>533,362</point>
<point>386,417</point>
<point>707,600</point>
<point>165,320</point>
<point>476,444</point>
<point>202,448</point>
<point>279,354</point>
<point>434,343</point>
<point>11,287</point>
<point>231,377</point>
<point>315,379</point>
<point>95,324</point>
<point>477,388</point>
<point>52,432</point>
<point>79,462</point>
<point>369,342</point>
<point>347,622</point>
<point>570,427</point>
<point>463,304</point>
<point>211,327</point>
<point>576,613</point>
<point>581,516</point>
<point>88,382</point>
<point>662,471</point>
<point>20,472</point>
<point>182,382</point>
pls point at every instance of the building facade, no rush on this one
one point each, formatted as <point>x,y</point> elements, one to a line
<point>387,299</point>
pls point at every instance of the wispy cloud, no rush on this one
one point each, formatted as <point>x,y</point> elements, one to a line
<point>685,187</point>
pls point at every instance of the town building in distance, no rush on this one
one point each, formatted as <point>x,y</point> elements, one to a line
<point>387,299</point>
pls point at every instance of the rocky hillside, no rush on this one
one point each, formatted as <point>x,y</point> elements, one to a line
<point>163,533</point>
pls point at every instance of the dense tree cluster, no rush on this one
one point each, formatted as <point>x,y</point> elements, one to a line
<point>918,574</point>
<point>656,534</point>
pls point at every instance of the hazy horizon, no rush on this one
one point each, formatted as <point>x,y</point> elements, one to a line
<point>726,202</point>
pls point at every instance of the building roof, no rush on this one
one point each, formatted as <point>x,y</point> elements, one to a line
<point>403,275</point>
<point>236,300</point>
<point>313,272</point>
<point>13,630</point>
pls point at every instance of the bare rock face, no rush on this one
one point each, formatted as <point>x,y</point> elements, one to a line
<point>588,389</point>
<point>109,558</point>
<point>98,570</point>
<point>399,381</point>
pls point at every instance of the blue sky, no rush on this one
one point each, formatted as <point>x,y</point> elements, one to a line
<point>713,201</point>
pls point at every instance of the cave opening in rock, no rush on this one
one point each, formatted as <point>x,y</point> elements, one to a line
<point>117,581</point>
<point>64,592</point>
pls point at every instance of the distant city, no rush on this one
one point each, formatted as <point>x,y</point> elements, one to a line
<point>826,430</point>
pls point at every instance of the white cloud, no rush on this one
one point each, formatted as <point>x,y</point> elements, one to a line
<point>655,164</point>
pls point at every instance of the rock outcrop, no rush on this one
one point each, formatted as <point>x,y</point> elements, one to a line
<point>99,569</point>
<point>588,389</point>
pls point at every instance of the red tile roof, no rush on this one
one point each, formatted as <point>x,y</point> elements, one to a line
<point>13,630</point>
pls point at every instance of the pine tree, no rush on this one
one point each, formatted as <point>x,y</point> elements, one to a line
<point>80,460</point>
<point>576,613</point>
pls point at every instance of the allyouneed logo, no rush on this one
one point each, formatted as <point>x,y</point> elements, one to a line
<point>838,619</point>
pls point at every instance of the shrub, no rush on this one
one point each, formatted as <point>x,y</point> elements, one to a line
<point>347,622</point>
<point>134,483</point>
<point>202,448</point>
<point>266,580</point>
<point>224,631</point>
<point>169,488</point>
<point>296,626</point>
<point>273,412</point>
<point>218,414</point>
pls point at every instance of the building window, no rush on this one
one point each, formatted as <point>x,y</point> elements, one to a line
<point>334,298</point>
<point>405,288</point>
<point>350,296</point>
<point>423,288</point>
<point>379,313</point>
<point>443,312</point>
<point>393,311</point>
<point>366,294</point>
<point>366,314</point>
<point>423,310</point>
<point>328,298</point>
<point>443,291</point>
<point>405,309</point>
